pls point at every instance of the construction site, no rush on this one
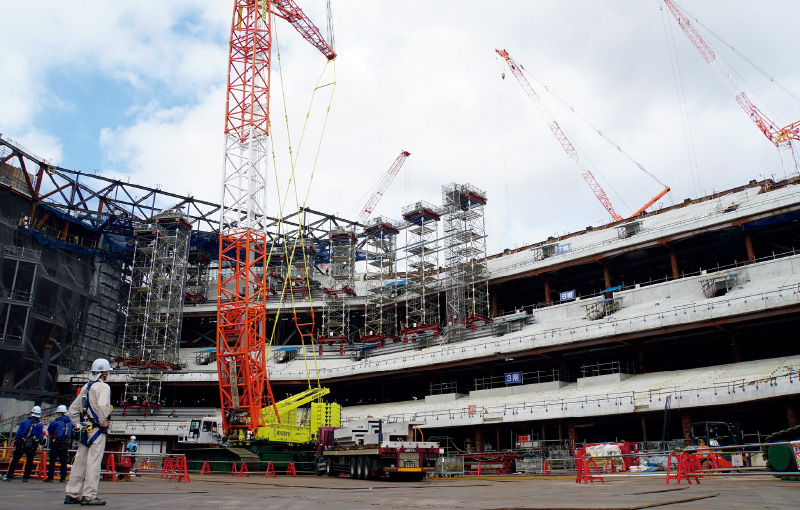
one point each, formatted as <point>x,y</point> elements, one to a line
<point>396,350</point>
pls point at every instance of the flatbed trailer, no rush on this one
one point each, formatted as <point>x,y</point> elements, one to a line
<point>365,451</point>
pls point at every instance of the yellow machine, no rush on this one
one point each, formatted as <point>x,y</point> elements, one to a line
<point>297,424</point>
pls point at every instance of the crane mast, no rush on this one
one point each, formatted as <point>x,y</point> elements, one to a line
<point>572,152</point>
<point>243,245</point>
<point>387,179</point>
<point>781,137</point>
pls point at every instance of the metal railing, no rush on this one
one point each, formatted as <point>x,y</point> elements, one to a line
<point>535,377</point>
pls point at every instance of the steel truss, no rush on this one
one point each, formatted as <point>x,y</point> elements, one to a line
<point>380,250</point>
<point>422,267</point>
<point>151,336</point>
<point>466,277</point>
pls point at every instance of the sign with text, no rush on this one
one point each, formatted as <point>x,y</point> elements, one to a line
<point>513,377</point>
<point>567,295</point>
<point>562,248</point>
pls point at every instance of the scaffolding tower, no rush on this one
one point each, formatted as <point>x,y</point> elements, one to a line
<point>151,335</point>
<point>338,297</point>
<point>380,246</point>
<point>422,266</point>
<point>466,276</point>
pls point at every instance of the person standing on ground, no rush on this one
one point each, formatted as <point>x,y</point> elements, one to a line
<point>132,448</point>
<point>29,433</point>
<point>60,431</point>
<point>91,412</point>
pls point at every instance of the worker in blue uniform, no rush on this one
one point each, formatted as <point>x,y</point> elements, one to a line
<point>60,431</point>
<point>29,433</point>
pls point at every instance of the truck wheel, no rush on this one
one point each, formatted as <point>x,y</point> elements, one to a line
<point>353,468</point>
<point>329,467</point>
<point>361,468</point>
<point>367,468</point>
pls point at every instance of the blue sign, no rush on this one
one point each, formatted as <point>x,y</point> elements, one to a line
<point>563,248</point>
<point>566,296</point>
<point>513,377</point>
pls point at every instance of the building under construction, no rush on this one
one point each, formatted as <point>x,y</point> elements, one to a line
<point>634,329</point>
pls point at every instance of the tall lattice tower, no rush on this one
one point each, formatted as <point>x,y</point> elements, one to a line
<point>466,277</point>
<point>380,248</point>
<point>338,297</point>
<point>151,335</point>
<point>422,267</point>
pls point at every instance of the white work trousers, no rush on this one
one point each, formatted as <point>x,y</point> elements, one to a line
<point>85,474</point>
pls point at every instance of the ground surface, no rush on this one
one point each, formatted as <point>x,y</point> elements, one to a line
<point>221,492</point>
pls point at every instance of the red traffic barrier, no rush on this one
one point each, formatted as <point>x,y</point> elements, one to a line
<point>234,469</point>
<point>205,469</point>
<point>244,470</point>
<point>290,470</point>
<point>270,469</point>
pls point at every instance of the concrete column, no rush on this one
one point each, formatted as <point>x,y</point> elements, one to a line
<point>642,361</point>
<point>791,414</point>
<point>686,424</point>
<point>673,261</point>
<point>606,276</point>
<point>547,290</point>
<point>735,357</point>
<point>572,434</point>
<point>497,444</point>
<point>644,429</point>
<point>478,440</point>
<point>544,432</point>
<point>748,242</point>
<point>562,373</point>
<point>493,301</point>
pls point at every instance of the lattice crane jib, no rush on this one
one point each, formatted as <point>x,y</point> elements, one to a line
<point>242,283</point>
<point>782,137</point>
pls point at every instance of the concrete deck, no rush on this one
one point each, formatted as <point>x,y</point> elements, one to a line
<point>220,492</point>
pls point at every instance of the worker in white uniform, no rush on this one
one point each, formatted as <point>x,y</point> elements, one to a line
<point>91,413</point>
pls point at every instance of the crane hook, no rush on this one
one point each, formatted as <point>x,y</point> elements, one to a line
<point>503,76</point>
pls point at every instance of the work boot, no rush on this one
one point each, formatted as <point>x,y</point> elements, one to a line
<point>72,500</point>
<point>46,480</point>
<point>95,501</point>
<point>24,479</point>
<point>7,478</point>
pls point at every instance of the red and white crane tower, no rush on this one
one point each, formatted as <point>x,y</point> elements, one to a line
<point>243,247</point>
<point>780,137</point>
<point>516,70</point>
<point>387,179</point>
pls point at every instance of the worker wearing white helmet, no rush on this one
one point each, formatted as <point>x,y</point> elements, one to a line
<point>60,431</point>
<point>29,433</point>
<point>91,412</point>
<point>132,448</point>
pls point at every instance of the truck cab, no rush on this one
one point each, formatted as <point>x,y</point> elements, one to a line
<point>202,431</point>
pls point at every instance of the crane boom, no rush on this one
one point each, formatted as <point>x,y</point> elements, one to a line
<point>387,179</point>
<point>781,137</point>
<point>243,245</point>
<point>572,152</point>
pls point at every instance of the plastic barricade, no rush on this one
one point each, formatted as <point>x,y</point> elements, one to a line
<point>290,470</point>
<point>270,470</point>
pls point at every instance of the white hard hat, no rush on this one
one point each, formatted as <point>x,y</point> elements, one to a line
<point>36,411</point>
<point>133,438</point>
<point>62,409</point>
<point>99,366</point>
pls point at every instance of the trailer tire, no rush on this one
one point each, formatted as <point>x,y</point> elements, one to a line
<point>353,468</point>
<point>329,467</point>
<point>361,468</point>
<point>367,468</point>
<point>319,466</point>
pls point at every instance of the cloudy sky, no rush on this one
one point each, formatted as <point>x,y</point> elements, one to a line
<point>137,89</point>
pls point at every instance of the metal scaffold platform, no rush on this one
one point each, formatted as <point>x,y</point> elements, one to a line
<point>422,267</point>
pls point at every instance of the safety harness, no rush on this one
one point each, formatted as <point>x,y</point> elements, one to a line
<point>86,436</point>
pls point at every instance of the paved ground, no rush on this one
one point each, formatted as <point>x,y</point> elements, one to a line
<point>221,492</point>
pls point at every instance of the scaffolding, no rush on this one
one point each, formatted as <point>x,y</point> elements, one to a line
<point>422,267</point>
<point>151,335</point>
<point>466,278</point>
<point>338,297</point>
<point>380,247</point>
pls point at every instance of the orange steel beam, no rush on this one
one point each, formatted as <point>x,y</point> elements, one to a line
<point>651,202</point>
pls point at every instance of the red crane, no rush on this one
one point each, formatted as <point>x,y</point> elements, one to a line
<point>587,175</point>
<point>243,246</point>
<point>387,179</point>
<point>780,137</point>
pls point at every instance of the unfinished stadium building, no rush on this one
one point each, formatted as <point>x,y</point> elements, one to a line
<point>687,312</point>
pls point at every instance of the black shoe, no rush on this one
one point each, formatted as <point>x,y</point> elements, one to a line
<point>46,480</point>
<point>7,478</point>
<point>24,479</point>
<point>62,481</point>
<point>95,501</point>
<point>72,500</point>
